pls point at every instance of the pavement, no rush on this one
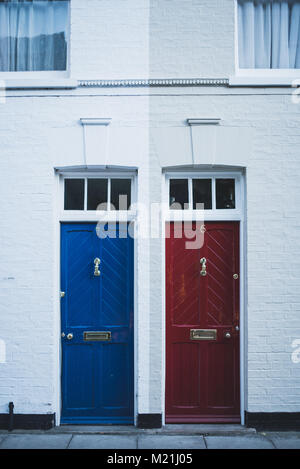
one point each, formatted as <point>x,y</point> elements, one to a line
<point>179,437</point>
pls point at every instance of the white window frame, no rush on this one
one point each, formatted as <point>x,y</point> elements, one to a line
<point>261,76</point>
<point>96,215</point>
<point>14,79</point>
<point>211,214</point>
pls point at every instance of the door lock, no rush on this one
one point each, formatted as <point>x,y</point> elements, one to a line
<point>203,263</point>
<point>97,263</point>
<point>70,336</point>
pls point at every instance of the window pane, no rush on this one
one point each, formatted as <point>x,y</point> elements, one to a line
<point>179,194</point>
<point>225,193</point>
<point>97,194</point>
<point>120,194</point>
<point>202,193</point>
<point>268,35</point>
<point>34,35</point>
<point>74,194</point>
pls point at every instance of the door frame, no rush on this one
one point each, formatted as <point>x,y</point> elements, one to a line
<point>60,216</point>
<point>238,214</point>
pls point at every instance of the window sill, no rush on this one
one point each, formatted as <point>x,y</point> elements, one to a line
<point>264,81</point>
<point>28,83</point>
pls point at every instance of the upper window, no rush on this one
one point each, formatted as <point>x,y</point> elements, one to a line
<point>269,34</point>
<point>33,35</point>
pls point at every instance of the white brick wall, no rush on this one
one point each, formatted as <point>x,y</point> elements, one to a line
<point>152,38</point>
<point>39,130</point>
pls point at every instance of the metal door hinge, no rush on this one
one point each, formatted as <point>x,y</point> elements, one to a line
<point>62,294</point>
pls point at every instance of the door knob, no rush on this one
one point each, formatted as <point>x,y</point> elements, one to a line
<point>97,263</point>
<point>203,271</point>
<point>227,335</point>
<point>70,336</point>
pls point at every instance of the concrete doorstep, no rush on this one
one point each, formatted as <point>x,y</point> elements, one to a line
<point>147,440</point>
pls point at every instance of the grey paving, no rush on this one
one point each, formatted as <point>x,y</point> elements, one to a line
<point>103,442</point>
<point>238,442</point>
<point>205,429</point>
<point>285,440</point>
<point>170,442</point>
<point>170,437</point>
<point>35,442</point>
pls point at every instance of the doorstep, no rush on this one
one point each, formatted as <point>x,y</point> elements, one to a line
<point>176,429</point>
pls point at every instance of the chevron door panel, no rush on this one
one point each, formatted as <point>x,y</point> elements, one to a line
<point>97,376</point>
<point>202,376</point>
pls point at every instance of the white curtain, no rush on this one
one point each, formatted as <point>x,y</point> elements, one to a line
<point>269,33</point>
<point>33,35</point>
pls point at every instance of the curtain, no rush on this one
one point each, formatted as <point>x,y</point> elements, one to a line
<point>33,35</point>
<point>269,33</point>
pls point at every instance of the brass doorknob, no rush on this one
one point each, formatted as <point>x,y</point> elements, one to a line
<point>70,336</point>
<point>97,264</point>
<point>227,335</point>
<point>203,263</point>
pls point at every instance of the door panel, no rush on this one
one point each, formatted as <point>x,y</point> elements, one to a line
<point>97,376</point>
<point>83,382</point>
<point>202,376</point>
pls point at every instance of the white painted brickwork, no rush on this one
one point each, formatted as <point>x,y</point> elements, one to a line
<point>41,130</point>
<point>152,38</point>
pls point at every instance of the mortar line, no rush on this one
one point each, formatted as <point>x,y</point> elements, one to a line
<point>70,441</point>
<point>270,440</point>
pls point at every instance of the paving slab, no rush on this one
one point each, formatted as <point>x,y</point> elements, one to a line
<point>103,442</point>
<point>170,442</point>
<point>238,442</point>
<point>35,442</point>
<point>285,440</point>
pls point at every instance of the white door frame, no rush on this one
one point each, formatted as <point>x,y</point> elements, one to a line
<point>62,216</point>
<point>238,214</point>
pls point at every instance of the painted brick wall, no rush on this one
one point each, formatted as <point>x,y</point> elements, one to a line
<point>39,130</point>
<point>152,38</point>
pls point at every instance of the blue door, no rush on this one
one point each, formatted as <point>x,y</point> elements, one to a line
<point>97,325</point>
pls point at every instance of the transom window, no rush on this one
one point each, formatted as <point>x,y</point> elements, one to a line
<point>268,34</point>
<point>97,193</point>
<point>202,193</point>
<point>34,35</point>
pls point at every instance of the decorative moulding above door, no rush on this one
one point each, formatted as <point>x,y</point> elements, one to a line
<point>204,121</point>
<point>95,121</point>
<point>95,140</point>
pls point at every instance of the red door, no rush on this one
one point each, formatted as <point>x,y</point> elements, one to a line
<point>202,331</point>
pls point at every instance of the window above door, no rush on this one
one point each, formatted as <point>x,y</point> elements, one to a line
<point>97,193</point>
<point>34,38</point>
<point>217,195</point>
